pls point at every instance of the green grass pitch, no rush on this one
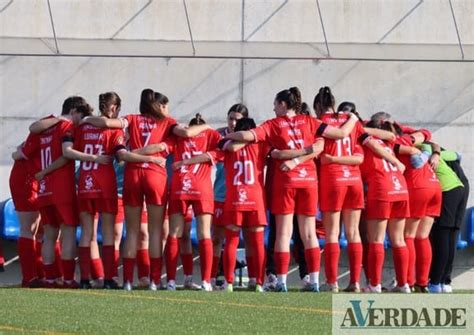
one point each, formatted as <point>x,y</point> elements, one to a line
<point>41,311</point>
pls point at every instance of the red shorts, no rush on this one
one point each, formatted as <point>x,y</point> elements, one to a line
<point>425,202</point>
<point>55,215</point>
<point>246,218</point>
<point>93,206</point>
<point>218,218</point>
<point>300,201</point>
<point>336,198</point>
<point>199,207</point>
<point>24,197</point>
<point>379,210</point>
<point>120,217</point>
<point>142,183</point>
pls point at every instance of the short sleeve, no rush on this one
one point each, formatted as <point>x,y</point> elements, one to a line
<point>216,156</point>
<point>66,131</point>
<point>262,132</point>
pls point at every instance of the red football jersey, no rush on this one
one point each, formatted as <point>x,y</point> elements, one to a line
<point>97,180</point>
<point>23,170</point>
<point>244,176</point>
<point>337,173</point>
<point>285,133</point>
<point>144,130</point>
<point>193,182</point>
<point>385,182</point>
<point>59,186</point>
<point>423,177</point>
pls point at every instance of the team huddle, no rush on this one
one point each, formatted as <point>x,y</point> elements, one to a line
<point>374,178</point>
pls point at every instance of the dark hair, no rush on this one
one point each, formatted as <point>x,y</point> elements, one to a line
<point>197,120</point>
<point>150,102</point>
<point>239,108</point>
<point>291,97</point>
<point>72,103</point>
<point>245,124</point>
<point>84,110</point>
<point>323,101</point>
<point>305,109</point>
<point>392,127</point>
<point>349,107</point>
<point>107,99</point>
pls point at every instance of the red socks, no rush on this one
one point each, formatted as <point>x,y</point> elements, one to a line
<point>27,254</point>
<point>376,256</point>
<point>215,266</point>
<point>187,261</point>
<point>84,262</point>
<point>143,263</point>
<point>110,266</point>
<point>50,272</point>
<point>355,252</point>
<point>171,254</point>
<point>205,252</point>
<point>410,242</point>
<point>69,268</point>
<point>258,258</point>
<point>423,260</point>
<point>97,269</point>
<point>282,262</point>
<point>232,239</point>
<point>331,261</point>
<point>365,260</point>
<point>128,267</point>
<point>400,261</point>
<point>155,269</point>
<point>250,263</point>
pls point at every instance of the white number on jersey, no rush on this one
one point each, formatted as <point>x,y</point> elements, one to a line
<point>244,169</point>
<point>344,145</point>
<point>188,155</point>
<point>89,149</point>
<point>46,157</point>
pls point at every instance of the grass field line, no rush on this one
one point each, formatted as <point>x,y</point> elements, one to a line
<point>195,301</point>
<point>36,331</point>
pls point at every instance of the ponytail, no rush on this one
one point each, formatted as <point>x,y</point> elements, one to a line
<point>197,120</point>
<point>291,97</point>
<point>108,99</point>
<point>323,101</point>
<point>150,102</point>
<point>349,107</point>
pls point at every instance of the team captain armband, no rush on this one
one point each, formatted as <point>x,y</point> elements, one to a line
<point>67,138</point>
<point>321,129</point>
<point>364,138</point>
<point>223,143</point>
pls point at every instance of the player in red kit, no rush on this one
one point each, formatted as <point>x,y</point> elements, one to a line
<point>387,207</point>
<point>24,188</point>
<point>191,185</point>
<point>295,181</point>
<point>57,191</point>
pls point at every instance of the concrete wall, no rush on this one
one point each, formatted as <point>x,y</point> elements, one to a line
<point>438,96</point>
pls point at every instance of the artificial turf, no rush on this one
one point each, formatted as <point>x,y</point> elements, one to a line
<point>47,311</point>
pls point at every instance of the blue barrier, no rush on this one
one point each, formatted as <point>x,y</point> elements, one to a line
<point>9,224</point>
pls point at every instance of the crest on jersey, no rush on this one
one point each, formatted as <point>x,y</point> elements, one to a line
<point>397,185</point>
<point>89,182</point>
<point>190,144</point>
<point>42,186</point>
<point>303,173</point>
<point>243,195</point>
<point>345,172</point>
<point>187,184</point>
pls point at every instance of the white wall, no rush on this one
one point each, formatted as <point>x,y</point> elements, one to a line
<point>438,96</point>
